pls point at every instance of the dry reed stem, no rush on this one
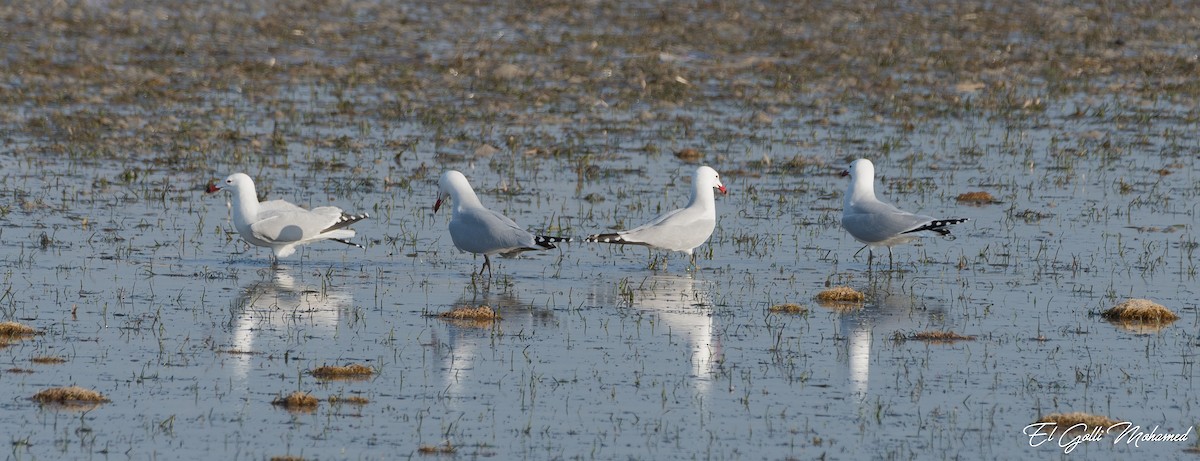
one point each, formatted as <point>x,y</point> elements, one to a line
<point>354,371</point>
<point>287,458</point>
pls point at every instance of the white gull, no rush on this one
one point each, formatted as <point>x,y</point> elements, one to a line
<point>680,230</point>
<point>280,225</point>
<point>476,229</point>
<point>876,223</point>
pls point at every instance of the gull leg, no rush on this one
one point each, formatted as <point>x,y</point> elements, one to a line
<point>889,257</point>
<point>487,264</point>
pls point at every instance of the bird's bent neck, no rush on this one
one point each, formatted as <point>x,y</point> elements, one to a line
<point>464,197</point>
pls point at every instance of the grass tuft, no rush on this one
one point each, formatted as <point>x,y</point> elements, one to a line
<point>1139,310</point>
<point>48,360</point>
<point>353,400</point>
<point>71,395</point>
<point>787,308</point>
<point>1067,420</point>
<point>354,371</point>
<point>15,330</point>
<point>443,449</point>
<point>976,198</point>
<point>936,336</point>
<point>297,401</point>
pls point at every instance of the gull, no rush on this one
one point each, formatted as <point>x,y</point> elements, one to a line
<point>876,223</point>
<point>679,230</point>
<point>281,225</point>
<point>476,229</point>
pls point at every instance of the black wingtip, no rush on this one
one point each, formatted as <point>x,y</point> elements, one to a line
<point>548,242</point>
<point>346,220</point>
<point>605,238</point>
<point>940,226</point>
<point>347,242</point>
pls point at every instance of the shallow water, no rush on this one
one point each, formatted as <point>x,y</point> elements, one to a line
<point>133,276</point>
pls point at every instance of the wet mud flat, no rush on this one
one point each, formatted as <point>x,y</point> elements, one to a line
<point>1065,131</point>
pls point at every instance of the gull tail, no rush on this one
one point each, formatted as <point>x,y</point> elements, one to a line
<point>345,221</point>
<point>548,242</point>
<point>938,225</point>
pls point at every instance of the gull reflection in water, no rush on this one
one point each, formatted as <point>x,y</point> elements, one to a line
<point>887,311</point>
<point>684,306</point>
<point>467,341</point>
<point>278,306</point>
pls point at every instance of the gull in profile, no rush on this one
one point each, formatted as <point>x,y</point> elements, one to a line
<point>476,229</point>
<point>679,230</point>
<point>876,223</point>
<point>280,225</point>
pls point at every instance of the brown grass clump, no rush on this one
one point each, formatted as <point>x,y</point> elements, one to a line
<point>471,313</point>
<point>10,330</point>
<point>841,299</point>
<point>1066,420</point>
<point>1140,310</point>
<point>72,395</point>
<point>935,336</point>
<point>437,450</point>
<point>473,317</point>
<point>301,401</point>
<point>287,458</point>
<point>48,360</point>
<point>354,371</point>
<point>689,155</point>
<point>977,198</point>
<point>841,294</point>
<point>787,308</point>
<point>353,400</point>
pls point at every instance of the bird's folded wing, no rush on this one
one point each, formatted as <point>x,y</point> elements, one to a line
<point>291,226</point>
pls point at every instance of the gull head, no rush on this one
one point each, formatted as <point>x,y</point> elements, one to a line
<point>861,168</point>
<point>448,185</point>
<point>232,183</point>
<point>708,177</point>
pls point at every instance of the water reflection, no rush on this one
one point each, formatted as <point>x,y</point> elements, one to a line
<point>891,307</point>
<point>467,340</point>
<point>280,306</point>
<point>684,306</point>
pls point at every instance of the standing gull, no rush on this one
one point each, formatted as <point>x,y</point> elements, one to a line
<point>476,229</point>
<point>281,225</point>
<point>876,223</point>
<point>680,230</point>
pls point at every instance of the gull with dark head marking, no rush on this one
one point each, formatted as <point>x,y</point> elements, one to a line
<point>679,230</point>
<point>280,225</point>
<point>476,229</point>
<point>876,223</point>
